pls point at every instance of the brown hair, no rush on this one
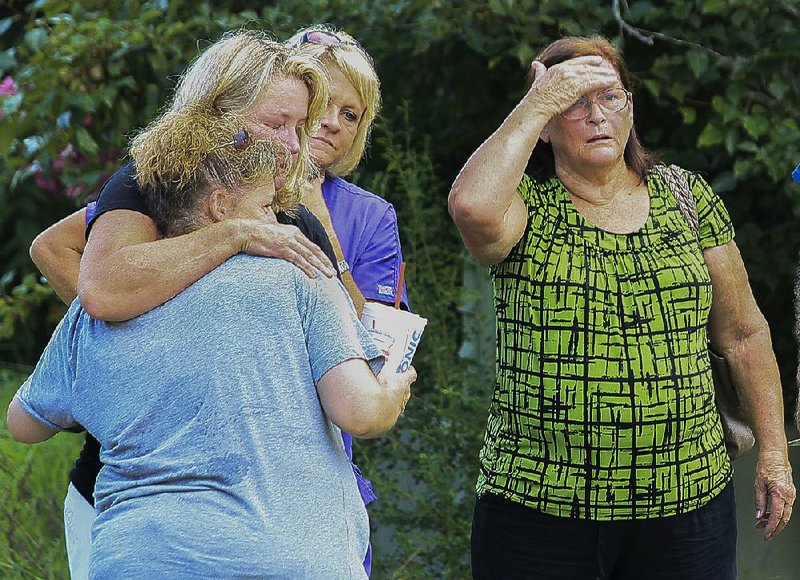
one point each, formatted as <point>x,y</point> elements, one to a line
<point>637,158</point>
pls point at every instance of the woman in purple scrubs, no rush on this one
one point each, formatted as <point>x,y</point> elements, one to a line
<point>362,227</point>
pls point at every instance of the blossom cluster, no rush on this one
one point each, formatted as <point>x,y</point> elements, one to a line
<point>8,88</point>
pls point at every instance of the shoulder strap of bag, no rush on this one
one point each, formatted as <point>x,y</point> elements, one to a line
<point>678,184</point>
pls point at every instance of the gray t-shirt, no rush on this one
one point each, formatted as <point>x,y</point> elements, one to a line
<point>218,458</point>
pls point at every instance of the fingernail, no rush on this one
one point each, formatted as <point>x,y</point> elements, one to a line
<point>759,513</point>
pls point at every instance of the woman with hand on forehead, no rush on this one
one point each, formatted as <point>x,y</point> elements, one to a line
<point>362,227</point>
<point>604,454</point>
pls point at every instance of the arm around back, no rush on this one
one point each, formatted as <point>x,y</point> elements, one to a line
<point>127,270</point>
<point>57,253</point>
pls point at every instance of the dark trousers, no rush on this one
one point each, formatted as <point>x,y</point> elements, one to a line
<point>512,541</point>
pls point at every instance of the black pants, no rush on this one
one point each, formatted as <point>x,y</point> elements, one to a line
<point>512,541</point>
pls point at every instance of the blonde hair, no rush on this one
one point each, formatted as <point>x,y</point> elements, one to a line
<point>184,155</point>
<point>233,75</point>
<point>355,63</point>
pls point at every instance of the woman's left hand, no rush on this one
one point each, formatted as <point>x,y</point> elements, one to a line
<point>774,492</point>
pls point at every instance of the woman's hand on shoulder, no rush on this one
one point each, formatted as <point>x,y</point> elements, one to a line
<point>274,240</point>
<point>558,87</point>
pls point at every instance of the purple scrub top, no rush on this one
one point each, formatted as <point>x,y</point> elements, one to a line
<point>366,226</point>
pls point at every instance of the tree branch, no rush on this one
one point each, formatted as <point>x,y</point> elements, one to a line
<point>647,36</point>
<point>648,40</point>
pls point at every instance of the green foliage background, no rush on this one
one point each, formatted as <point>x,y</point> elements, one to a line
<point>718,94</point>
<point>32,487</point>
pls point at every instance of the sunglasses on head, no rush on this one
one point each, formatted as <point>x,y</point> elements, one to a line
<point>327,38</point>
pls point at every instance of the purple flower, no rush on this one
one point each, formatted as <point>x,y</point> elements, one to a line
<point>8,88</point>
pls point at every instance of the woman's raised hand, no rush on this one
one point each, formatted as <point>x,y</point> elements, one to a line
<point>274,240</point>
<point>557,88</point>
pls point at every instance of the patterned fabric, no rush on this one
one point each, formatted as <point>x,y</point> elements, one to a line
<point>604,403</point>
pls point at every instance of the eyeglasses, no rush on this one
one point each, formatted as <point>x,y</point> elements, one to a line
<point>610,101</point>
<point>328,38</point>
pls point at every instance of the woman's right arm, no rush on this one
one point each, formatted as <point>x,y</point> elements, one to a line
<point>127,270</point>
<point>360,403</point>
<point>483,200</point>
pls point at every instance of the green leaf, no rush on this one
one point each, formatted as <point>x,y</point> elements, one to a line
<point>82,101</point>
<point>742,167</point>
<point>35,38</point>
<point>730,140</point>
<point>698,62</point>
<point>525,53</point>
<point>714,6</point>
<point>718,104</point>
<point>8,59</point>
<point>710,136</point>
<point>689,115</point>
<point>641,10</point>
<point>778,88</point>
<point>22,174</point>
<point>7,134</point>
<point>749,147</point>
<point>652,86</point>
<point>756,126</point>
<point>725,182</point>
<point>5,24</point>
<point>86,144</point>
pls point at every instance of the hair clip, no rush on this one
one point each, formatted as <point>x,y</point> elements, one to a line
<point>240,141</point>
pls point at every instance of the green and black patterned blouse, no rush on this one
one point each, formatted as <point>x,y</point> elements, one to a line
<point>604,403</point>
